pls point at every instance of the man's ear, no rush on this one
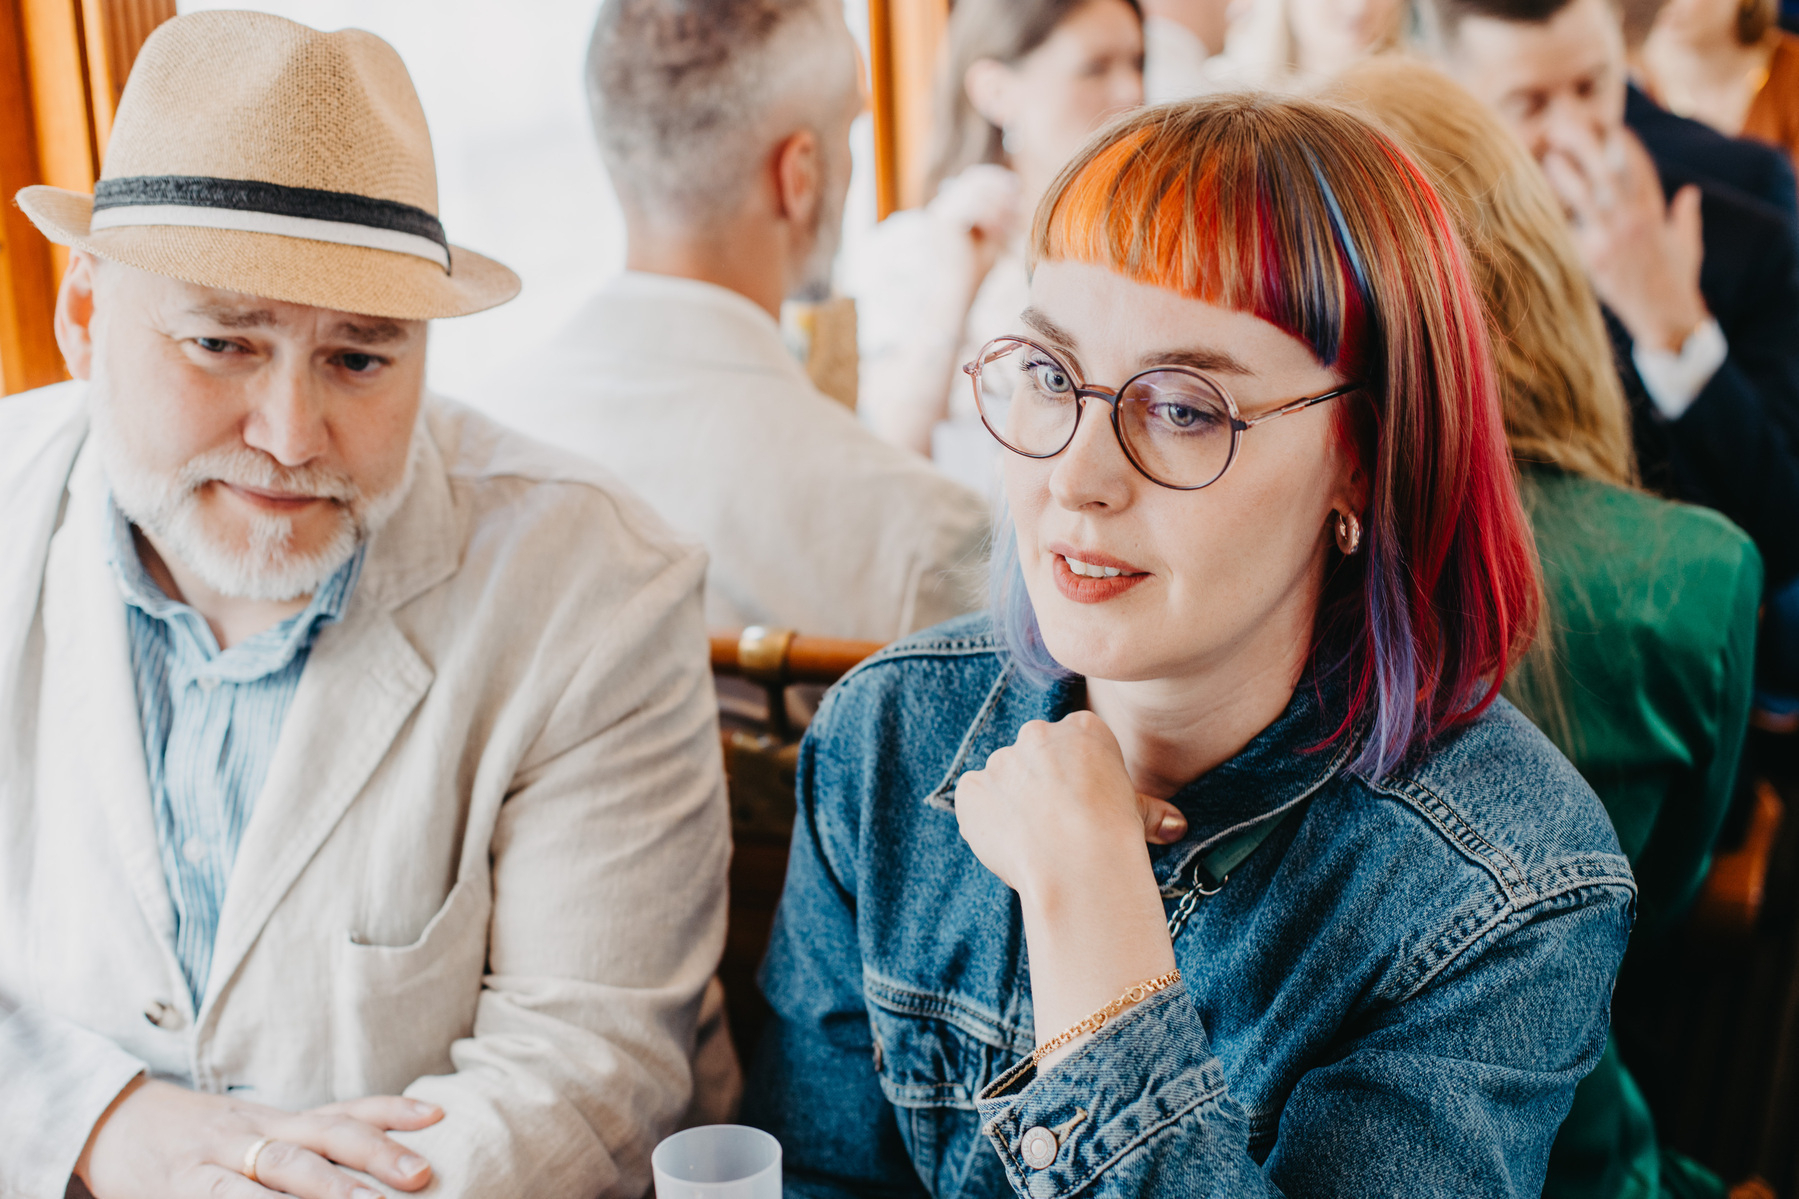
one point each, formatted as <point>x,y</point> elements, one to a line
<point>799,178</point>
<point>75,313</point>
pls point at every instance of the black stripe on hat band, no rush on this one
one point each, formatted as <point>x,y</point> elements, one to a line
<point>251,195</point>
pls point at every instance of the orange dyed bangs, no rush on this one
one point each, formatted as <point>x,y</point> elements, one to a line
<point>1250,226</point>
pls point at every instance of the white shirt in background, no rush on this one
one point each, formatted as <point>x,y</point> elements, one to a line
<point>685,391</point>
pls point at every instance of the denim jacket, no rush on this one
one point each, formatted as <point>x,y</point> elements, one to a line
<point>1395,994</point>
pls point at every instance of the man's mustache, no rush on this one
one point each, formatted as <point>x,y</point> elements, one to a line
<point>245,467</point>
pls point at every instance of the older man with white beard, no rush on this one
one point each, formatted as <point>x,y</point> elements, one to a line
<point>362,827</point>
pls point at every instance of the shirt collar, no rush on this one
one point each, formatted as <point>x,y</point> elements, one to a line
<point>1281,767</point>
<point>639,315</point>
<point>256,657</point>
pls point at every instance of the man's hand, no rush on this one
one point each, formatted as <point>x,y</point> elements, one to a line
<point>1642,255</point>
<point>160,1141</point>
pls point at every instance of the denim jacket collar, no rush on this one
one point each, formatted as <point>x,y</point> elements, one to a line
<point>1279,768</point>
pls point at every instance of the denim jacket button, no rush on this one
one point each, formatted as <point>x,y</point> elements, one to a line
<point>1039,1148</point>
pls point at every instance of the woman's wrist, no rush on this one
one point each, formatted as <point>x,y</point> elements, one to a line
<point>1092,933</point>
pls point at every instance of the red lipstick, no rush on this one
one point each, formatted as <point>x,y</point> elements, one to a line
<point>1086,589</point>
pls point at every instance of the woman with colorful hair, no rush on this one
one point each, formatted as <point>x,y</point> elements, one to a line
<point>1211,863</point>
<point>1643,671</point>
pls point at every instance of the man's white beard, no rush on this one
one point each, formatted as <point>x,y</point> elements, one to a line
<point>167,507</point>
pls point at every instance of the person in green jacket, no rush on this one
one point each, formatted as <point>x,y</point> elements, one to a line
<point>1642,667</point>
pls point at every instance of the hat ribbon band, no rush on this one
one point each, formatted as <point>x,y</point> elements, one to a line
<point>253,207</point>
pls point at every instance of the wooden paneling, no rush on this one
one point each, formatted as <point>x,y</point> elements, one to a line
<point>113,30</point>
<point>905,38</point>
<point>64,64</point>
<point>28,273</point>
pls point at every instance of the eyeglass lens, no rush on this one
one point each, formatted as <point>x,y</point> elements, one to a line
<point>1174,425</point>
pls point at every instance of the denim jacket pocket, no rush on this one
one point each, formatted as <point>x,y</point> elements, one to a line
<point>933,1054</point>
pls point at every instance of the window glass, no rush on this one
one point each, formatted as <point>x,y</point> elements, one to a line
<point>519,178</point>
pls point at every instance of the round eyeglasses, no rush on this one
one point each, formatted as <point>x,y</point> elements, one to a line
<point>1176,426</point>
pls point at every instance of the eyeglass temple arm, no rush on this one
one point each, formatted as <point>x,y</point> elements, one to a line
<point>1301,404</point>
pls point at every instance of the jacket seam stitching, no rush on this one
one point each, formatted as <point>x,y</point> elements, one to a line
<point>1508,912</point>
<point>893,997</point>
<point>935,798</point>
<point>1505,870</point>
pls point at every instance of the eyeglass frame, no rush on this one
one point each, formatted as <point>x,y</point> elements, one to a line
<point>1239,426</point>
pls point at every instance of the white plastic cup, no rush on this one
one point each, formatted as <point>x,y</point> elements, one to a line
<point>718,1161</point>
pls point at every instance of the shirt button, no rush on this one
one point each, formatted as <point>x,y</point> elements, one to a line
<point>163,1015</point>
<point>208,682</point>
<point>194,850</point>
<point>1039,1148</point>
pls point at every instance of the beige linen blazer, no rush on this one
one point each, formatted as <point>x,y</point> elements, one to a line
<point>685,391</point>
<point>487,868</point>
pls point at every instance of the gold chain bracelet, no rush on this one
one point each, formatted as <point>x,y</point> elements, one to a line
<point>1097,1020</point>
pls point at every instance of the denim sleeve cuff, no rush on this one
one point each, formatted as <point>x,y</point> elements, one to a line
<point>1132,1079</point>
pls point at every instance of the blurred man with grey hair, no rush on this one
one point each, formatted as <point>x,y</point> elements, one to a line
<point>725,127</point>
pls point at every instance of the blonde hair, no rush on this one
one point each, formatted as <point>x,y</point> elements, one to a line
<point>1559,390</point>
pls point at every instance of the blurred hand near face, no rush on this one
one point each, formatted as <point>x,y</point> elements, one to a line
<point>1643,255</point>
<point>983,204</point>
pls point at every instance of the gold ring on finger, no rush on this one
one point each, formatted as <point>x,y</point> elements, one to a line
<point>250,1156</point>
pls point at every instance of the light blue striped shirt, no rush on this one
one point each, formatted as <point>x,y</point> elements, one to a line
<point>211,721</point>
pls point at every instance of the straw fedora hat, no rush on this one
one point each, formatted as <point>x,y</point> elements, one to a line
<point>257,155</point>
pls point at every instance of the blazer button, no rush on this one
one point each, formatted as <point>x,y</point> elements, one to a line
<point>1039,1148</point>
<point>164,1015</point>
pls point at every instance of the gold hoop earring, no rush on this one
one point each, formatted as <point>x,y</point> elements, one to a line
<point>1349,533</point>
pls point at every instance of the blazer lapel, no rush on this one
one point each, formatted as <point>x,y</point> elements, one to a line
<point>91,747</point>
<point>361,683</point>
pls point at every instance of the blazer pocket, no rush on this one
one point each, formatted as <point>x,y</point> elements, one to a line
<point>397,1008</point>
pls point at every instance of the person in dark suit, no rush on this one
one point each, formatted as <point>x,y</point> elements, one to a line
<point>1685,146</point>
<point>1700,282</point>
<point>1681,144</point>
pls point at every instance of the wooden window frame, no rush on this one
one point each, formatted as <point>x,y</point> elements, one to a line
<point>63,65</point>
<point>905,40</point>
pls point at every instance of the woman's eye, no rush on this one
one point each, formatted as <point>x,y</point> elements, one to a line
<point>1182,416</point>
<point>359,364</point>
<point>1050,377</point>
<point>214,345</point>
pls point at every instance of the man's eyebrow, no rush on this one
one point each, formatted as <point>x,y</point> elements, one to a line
<point>231,316</point>
<point>1217,361</point>
<point>375,334</point>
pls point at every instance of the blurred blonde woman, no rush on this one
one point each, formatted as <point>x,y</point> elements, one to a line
<point>1642,675</point>
<point>1728,63</point>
